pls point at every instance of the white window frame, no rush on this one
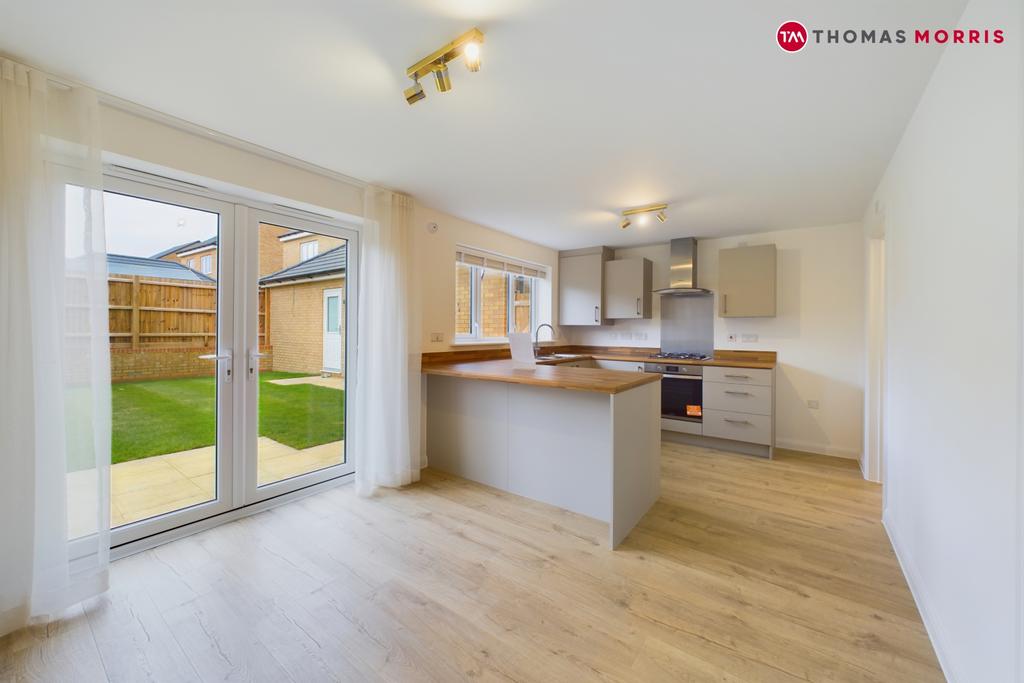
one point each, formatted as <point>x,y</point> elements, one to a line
<point>192,263</point>
<point>314,245</point>
<point>206,264</point>
<point>476,274</point>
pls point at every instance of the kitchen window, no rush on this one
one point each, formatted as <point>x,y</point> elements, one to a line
<point>494,296</point>
<point>308,250</point>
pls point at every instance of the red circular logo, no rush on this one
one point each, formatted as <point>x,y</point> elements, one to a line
<point>792,36</point>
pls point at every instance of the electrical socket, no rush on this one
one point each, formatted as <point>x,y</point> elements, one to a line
<point>813,403</point>
<point>749,338</point>
<point>437,337</point>
<point>732,337</point>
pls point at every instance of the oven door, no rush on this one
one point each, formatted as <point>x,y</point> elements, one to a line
<point>682,397</point>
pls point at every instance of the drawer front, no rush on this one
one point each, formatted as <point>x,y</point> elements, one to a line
<point>681,426</point>
<point>738,375</point>
<point>738,426</point>
<point>738,399</point>
<point>621,365</point>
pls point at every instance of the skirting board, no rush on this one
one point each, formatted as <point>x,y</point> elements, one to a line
<point>819,448</point>
<point>935,632</point>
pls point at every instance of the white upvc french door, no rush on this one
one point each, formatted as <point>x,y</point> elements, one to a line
<point>159,482</point>
<point>221,396</point>
<point>297,439</point>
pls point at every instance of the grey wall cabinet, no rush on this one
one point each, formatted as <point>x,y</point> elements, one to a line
<point>581,286</point>
<point>627,289</point>
<point>746,282</point>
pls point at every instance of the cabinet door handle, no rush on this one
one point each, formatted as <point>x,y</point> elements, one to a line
<point>739,393</point>
<point>725,304</point>
<point>638,306</point>
<point>596,318</point>
<point>738,376</point>
<point>737,422</point>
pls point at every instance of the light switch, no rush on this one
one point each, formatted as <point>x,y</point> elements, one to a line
<point>813,404</point>
<point>437,336</point>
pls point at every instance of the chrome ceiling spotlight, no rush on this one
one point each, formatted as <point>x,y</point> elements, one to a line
<point>414,93</point>
<point>466,46</point>
<point>641,213</point>
<point>441,78</point>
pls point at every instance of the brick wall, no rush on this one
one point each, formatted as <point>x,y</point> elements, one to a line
<point>463,300</point>
<point>297,323</point>
<point>494,304</point>
<point>271,248</point>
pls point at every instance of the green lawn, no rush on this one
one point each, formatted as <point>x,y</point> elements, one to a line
<point>166,416</point>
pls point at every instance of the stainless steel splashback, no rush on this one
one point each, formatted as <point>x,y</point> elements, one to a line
<point>688,324</point>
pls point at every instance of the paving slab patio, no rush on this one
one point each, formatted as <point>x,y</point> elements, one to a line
<point>331,382</point>
<point>144,488</point>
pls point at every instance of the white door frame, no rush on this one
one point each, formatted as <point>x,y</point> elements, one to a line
<point>873,460</point>
<point>328,293</point>
<point>234,450</point>
<point>226,395</point>
<point>247,476</point>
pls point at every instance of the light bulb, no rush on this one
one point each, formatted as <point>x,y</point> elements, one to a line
<point>472,55</point>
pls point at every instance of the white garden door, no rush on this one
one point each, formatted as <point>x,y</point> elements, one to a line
<point>332,330</point>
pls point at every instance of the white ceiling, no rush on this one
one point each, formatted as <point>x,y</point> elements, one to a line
<point>582,107</point>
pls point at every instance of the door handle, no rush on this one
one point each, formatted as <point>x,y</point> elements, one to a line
<point>737,422</point>
<point>219,357</point>
<point>738,393</point>
<point>725,304</point>
<point>597,319</point>
<point>254,362</point>
<point>638,306</point>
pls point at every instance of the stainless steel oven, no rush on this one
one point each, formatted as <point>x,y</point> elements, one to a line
<point>682,390</point>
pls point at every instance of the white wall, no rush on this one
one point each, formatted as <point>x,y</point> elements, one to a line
<point>950,201</point>
<point>436,264</point>
<point>818,331</point>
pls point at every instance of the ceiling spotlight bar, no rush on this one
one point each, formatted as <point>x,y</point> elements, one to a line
<point>641,213</point>
<point>467,45</point>
<point>645,209</point>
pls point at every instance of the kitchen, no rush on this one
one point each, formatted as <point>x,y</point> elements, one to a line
<point>670,311</point>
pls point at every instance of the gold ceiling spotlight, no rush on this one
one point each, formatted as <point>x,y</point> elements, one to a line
<point>641,213</point>
<point>466,46</point>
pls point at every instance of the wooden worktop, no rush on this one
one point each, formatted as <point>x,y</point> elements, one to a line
<point>543,375</point>
<point>764,360</point>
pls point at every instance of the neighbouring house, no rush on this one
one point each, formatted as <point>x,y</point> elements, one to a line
<point>198,255</point>
<point>306,310</point>
<point>118,264</point>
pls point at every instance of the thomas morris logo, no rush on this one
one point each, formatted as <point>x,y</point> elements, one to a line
<point>792,36</point>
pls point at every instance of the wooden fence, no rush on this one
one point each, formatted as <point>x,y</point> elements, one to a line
<point>159,326</point>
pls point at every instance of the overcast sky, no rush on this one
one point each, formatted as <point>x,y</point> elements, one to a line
<point>140,227</point>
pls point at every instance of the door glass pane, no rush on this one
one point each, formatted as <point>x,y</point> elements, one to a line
<point>163,320</point>
<point>302,305</point>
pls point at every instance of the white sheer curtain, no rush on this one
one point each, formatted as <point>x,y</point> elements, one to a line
<point>54,353</point>
<point>385,431</point>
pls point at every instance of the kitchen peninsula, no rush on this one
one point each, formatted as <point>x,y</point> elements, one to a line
<point>584,439</point>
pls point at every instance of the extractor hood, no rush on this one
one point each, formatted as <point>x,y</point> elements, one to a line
<point>682,269</point>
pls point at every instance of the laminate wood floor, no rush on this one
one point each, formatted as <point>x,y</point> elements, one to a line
<point>745,570</point>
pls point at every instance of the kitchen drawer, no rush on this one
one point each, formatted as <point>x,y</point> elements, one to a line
<point>738,399</point>
<point>738,375</point>
<point>621,365</point>
<point>738,426</point>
